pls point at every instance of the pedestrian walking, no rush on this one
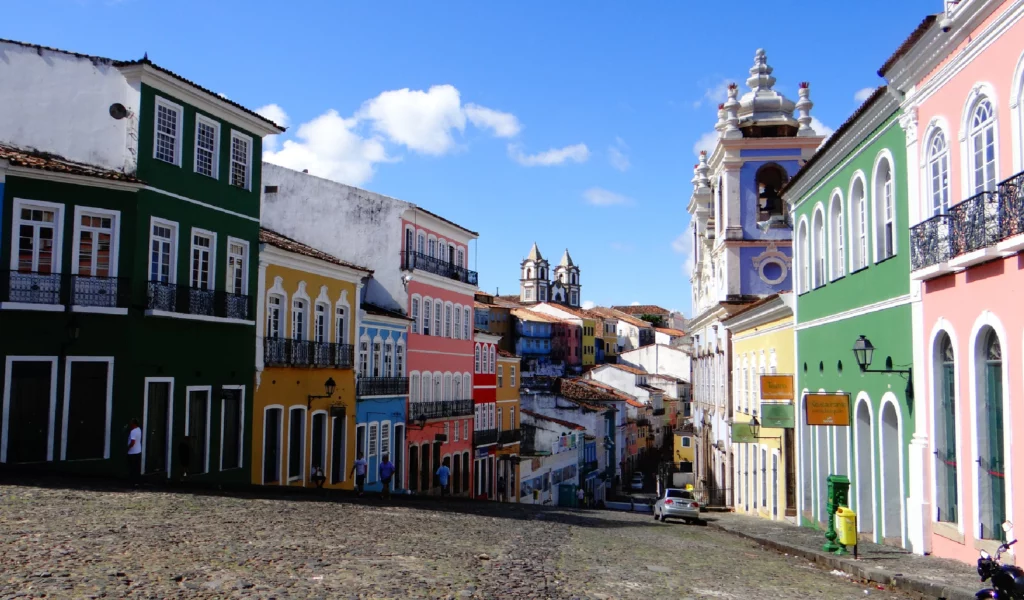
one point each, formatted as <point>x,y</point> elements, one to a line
<point>442,476</point>
<point>501,489</point>
<point>134,452</point>
<point>386,470</point>
<point>359,470</point>
<point>579,497</point>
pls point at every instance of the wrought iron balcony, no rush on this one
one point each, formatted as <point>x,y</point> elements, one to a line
<point>482,437</point>
<point>382,386</point>
<point>100,292</point>
<point>930,243</point>
<point>440,409</point>
<point>187,300</point>
<point>64,288</point>
<point>643,422</point>
<point>974,223</point>
<point>438,266</point>
<point>1011,207</point>
<point>510,436</point>
<point>32,288</point>
<point>284,352</point>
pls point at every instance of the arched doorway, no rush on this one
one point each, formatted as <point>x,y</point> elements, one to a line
<point>991,459</point>
<point>414,467</point>
<point>946,500</point>
<point>806,464</point>
<point>892,489</point>
<point>864,482</point>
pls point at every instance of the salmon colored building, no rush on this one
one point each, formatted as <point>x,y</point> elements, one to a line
<point>962,76</point>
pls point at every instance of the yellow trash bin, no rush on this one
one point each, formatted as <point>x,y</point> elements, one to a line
<point>846,526</point>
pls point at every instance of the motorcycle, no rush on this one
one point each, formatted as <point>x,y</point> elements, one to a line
<point>1007,580</point>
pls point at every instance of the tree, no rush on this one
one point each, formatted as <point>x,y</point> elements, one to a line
<point>656,320</point>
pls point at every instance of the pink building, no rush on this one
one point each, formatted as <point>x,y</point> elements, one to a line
<point>440,292</point>
<point>961,73</point>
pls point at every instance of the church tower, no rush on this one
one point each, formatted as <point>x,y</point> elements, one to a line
<point>567,282</point>
<point>533,282</point>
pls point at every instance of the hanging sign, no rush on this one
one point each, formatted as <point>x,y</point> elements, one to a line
<point>828,409</point>
<point>776,387</point>
<point>777,416</point>
<point>741,434</point>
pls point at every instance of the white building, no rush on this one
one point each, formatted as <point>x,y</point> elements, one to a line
<point>634,382</point>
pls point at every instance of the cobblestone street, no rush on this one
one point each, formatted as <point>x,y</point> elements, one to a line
<point>64,543</point>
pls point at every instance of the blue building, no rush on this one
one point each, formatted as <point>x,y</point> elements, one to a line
<point>382,391</point>
<point>534,338</point>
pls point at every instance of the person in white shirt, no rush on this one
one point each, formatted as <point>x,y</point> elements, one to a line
<point>359,468</point>
<point>134,451</point>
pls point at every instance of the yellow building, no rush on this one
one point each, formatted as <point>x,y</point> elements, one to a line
<point>683,448</point>
<point>589,332</point>
<point>507,397</point>
<point>304,407</point>
<point>763,436</point>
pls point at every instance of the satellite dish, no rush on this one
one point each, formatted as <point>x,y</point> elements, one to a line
<point>118,111</point>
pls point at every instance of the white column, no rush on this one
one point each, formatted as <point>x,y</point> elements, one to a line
<point>261,302</point>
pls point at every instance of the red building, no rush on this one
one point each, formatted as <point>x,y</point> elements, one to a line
<point>440,291</point>
<point>485,432</point>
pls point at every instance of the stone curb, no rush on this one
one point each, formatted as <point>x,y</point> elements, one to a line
<point>859,569</point>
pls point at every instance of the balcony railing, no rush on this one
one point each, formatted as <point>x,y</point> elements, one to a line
<point>510,436</point>
<point>979,222</point>
<point>658,412</point>
<point>187,300</point>
<point>64,288</point>
<point>438,266</point>
<point>382,386</point>
<point>440,409</point>
<point>484,436</point>
<point>284,352</point>
<point>643,422</point>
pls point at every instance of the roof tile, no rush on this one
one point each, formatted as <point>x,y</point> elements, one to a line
<point>46,161</point>
<point>278,240</point>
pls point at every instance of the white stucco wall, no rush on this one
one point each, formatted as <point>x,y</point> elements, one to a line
<point>352,224</point>
<point>659,359</point>
<point>59,103</point>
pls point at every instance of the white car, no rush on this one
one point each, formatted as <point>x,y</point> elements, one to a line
<point>677,504</point>
<point>638,482</point>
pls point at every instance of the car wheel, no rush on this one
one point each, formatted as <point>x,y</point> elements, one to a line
<point>662,518</point>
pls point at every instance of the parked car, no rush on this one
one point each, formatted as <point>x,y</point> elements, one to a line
<point>677,504</point>
<point>638,482</point>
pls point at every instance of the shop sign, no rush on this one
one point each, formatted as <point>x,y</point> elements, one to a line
<point>777,416</point>
<point>831,410</point>
<point>777,387</point>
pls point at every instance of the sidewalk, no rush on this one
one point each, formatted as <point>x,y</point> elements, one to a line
<point>933,577</point>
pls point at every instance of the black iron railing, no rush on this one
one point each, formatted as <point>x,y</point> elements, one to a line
<point>974,223</point>
<point>64,288</point>
<point>32,288</point>
<point>484,436</point>
<point>284,352</point>
<point>510,436</point>
<point>382,386</point>
<point>930,242</point>
<point>438,266</point>
<point>439,409</point>
<point>1011,207</point>
<point>195,301</point>
<point>100,292</point>
<point>643,422</point>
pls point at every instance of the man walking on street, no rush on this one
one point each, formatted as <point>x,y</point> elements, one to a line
<point>359,469</point>
<point>134,452</point>
<point>387,469</point>
<point>579,497</point>
<point>442,476</point>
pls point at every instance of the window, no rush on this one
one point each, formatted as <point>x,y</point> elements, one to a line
<point>818,249</point>
<point>427,304</point>
<point>448,386</point>
<point>442,251</point>
<point>465,323</point>
<point>415,315</point>
<point>490,364</point>
<point>457,428</point>
<point>859,226</point>
<point>805,258</point>
<point>437,317</point>
<point>465,435</point>
<point>377,363</point>
<point>426,387</point>
<point>437,387</point>
<point>373,442</point>
<point>447,320</point>
<point>529,293</point>
<point>197,429</point>
<point>299,319</point>
<point>272,422</point>
<point>95,243</point>
<point>167,140</point>
<point>836,226</point>
<point>38,226</point>
<point>296,439</point>
<point>883,211</point>
<point>414,387</point>
<point>457,387</point>
<point>388,349</point>
<point>203,245</point>
<point>88,398</point>
<point>385,438</point>
<point>467,384</point>
<point>542,294</point>
<point>991,445</point>
<point>460,258</point>
<point>399,360</point>
<point>207,151</point>
<point>340,329</point>
<point>241,158</point>
<point>419,243</point>
<point>274,317</point>
<point>318,444</point>
<point>946,504</point>
<point>686,442</point>
<point>512,375</point>
<point>163,238</point>
<point>574,296</point>
<point>501,376</point>
<point>457,327</point>
<point>231,434</point>
<point>237,276</point>
<point>512,415</point>
<point>320,323</point>
<point>364,358</point>
<point>983,147</point>
<point>476,359</point>
<point>938,172</point>
<point>432,245</point>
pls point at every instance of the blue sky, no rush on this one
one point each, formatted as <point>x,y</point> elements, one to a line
<point>569,123</point>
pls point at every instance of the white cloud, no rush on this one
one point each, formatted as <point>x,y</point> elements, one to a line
<point>707,141</point>
<point>714,95</point>
<point>821,128</point>
<point>682,245</point>
<point>634,303</point>
<point>588,304</point>
<point>276,114</point>
<point>556,156</point>
<point>863,94</point>
<point>621,246</point>
<point>502,124</point>
<point>602,197</point>
<point>617,155</point>
<point>422,121</point>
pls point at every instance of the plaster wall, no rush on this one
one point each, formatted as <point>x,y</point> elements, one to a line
<point>659,359</point>
<point>620,380</point>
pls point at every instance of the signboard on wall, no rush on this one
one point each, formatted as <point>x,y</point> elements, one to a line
<point>777,416</point>
<point>741,434</point>
<point>777,387</point>
<point>831,410</point>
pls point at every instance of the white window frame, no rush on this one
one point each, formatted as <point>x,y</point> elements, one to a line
<point>448,310</point>
<point>388,367</point>
<point>342,328</point>
<point>858,217</point>
<point>818,247</point>
<point>204,120</point>
<point>173,267</point>
<point>837,235</point>
<point>427,315</point>
<point>160,101</point>
<point>803,256</point>
<point>415,312</point>
<point>209,409</point>
<point>212,275</point>
<point>983,92</point>
<point>512,376</point>
<point>241,429</point>
<point>878,205</point>
<point>235,134</point>
<point>321,309</point>
<point>88,211</point>
<point>376,357</point>
<point>58,230</point>
<point>400,358</point>
<point>282,456</point>
<point>229,285</point>
<point>385,442</point>
<point>457,321</point>
<point>145,422</point>
<point>414,387</point>
<point>438,317</point>
<point>465,323</point>
<point>302,445</point>
<point>363,356</point>
<point>938,196</point>
<point>501,376</point>
<point>67,402</point>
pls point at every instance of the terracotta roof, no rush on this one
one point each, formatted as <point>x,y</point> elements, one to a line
<point>373,309</point>
<point>145,61</point>
<point>760,302</point>
<point>669,331</point>
<point>668,377</point>
<point>650,388</point>
<point>452,223</point>
<point>835,137</point>
<point>286,243</point>
<point>513,298</point>
<point>618,314</point>
<point>481,305</point>
<point>586,389</point>
<point>45,161</point>
<point>642,309</point>
<point>908,43</point>
<point>607,389</point>
<point>574,426</point>
<point>529,315</point>
<point>507,354</point>
<point>626,368</point>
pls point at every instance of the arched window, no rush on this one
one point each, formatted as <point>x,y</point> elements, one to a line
<point>432,247</point>
<point>299,319</point>
<point>938,172</point>
<point>457,327</point>
<point>340,324</point>
<point>447,386</point>
<point>490,364</point>
<point>465,323</point>
<point>991,459</point>
<point>320,324</point>
<point>420,241</point>
<point>770,179</point>
<point>838,235</point>
<point>476,359</point>
<point>414,387</point>
<point>457,389</point>
<point>467,386</point>
<point>426,388</point>
<point>529,273</point>
<point>460,258</point>
<point>437,318</point>
<point>946,504</point>
<point>818,249</point>
<point>884,211</point>
<point>982,150</point>
<point>378,363</point>
<point>448,319</point>
<point>274,316</point>
<point>859,226</point>
<point>437,387</point>
<point>427,305</point>
<point>804,258</point>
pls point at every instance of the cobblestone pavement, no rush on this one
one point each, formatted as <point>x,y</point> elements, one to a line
<point>70,543</point>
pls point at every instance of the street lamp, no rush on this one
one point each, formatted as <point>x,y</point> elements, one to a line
<point>863,351</point>
<point>329,387</point>
<point>755,427</point>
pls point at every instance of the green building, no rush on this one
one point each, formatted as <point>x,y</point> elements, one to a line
<point>133,221</point>
<point>849,206</point>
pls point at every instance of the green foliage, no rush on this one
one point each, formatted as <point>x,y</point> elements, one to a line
<point>656,320</point>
